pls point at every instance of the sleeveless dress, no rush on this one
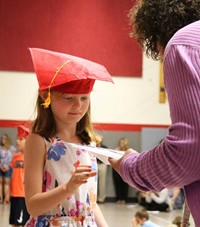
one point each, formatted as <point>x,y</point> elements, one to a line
<point>76,210</point>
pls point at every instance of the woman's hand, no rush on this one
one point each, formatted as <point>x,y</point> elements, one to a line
<point>116,162</point>
<point>80,176</point>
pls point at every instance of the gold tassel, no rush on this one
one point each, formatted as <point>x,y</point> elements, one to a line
<point>47,101</point>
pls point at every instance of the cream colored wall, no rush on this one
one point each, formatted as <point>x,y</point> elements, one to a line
<point>127,101</point>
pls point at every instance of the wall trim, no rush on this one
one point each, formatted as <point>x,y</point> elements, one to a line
<point>97,126</point>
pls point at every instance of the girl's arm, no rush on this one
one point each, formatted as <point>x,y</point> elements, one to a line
<point>99,218</point>
<point>37,201</point>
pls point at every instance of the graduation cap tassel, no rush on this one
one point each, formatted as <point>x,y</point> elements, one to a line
<point>47,101</point>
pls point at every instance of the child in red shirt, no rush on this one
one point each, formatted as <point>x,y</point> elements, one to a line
<point>18,211</point>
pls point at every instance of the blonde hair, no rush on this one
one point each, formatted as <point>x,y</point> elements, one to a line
<point>125,145</point>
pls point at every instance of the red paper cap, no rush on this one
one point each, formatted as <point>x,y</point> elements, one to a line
<point>66,73</point>
<point>22,131</point>
<point>76,87</point>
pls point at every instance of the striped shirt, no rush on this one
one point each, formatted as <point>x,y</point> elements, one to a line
<point>176,161</point>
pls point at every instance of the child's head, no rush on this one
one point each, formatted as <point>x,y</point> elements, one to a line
<point>141,216</point>
<point>65,83</point>
<point>5,141</point>
<point>123,144</point>
<point>22,133</point>
<point>177,221</point>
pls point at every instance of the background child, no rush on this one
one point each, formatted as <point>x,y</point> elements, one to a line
<point>142,219</point>
<point>18,211</point>
<point>121,187</point>
<point>60,182</point>
<point>159,201</point>
<point>102,174</point>
<point>7,151</point>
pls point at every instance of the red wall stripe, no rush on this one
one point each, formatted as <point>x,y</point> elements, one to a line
<point>13,123</point>
<point>97,126</point>
<point>125,127</point>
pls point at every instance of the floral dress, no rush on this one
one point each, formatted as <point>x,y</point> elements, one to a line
<point>77,210</point>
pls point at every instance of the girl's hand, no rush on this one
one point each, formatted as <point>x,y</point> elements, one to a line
<point>116,162</point>
<point>79,177</point>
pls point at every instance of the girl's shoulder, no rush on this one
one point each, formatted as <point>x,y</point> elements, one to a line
<point>34,139</point>
<point>35,145</point>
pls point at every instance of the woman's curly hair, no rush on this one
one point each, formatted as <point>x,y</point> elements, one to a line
<point>154,22</point>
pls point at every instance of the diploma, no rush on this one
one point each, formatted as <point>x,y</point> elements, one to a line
<point>101,153</point>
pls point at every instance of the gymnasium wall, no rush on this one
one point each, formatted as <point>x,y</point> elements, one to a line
<point>97,30</point>
<point>125,108</point>
<point>92,29</point>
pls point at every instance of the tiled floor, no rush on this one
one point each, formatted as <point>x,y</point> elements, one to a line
<point>116,215</point>
<point>121,215</point>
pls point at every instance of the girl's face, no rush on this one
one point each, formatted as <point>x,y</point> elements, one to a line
<point>4,140</point>
<point>20,143</point>
<point>69,108</point>
<point>140,221</point>
<point>123,143</point>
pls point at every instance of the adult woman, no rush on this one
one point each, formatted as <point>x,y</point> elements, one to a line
<point>172,27</point>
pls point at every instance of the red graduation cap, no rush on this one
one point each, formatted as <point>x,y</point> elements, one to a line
<point>66,73</point>
<point>22,131</point>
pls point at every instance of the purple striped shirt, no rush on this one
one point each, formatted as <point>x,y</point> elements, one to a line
<point>176,161</point>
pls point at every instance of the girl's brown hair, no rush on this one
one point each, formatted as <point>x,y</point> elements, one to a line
<point>45,126</point>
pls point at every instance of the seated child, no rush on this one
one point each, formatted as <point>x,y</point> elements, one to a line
<point>142,219</point>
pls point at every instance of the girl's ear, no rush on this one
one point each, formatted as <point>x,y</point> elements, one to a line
<point>43,95</point>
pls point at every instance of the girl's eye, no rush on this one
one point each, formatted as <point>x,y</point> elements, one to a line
<point>67,97</point>
<point>71,98</point>
<point>84,98</point>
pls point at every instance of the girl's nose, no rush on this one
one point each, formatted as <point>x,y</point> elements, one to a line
<point>77,102</point>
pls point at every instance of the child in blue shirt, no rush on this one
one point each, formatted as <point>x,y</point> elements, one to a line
<point>142,219</point>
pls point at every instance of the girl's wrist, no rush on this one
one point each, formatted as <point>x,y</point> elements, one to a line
<point>67,190</point>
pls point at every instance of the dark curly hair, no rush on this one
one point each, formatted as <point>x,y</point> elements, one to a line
<point>154,22</point>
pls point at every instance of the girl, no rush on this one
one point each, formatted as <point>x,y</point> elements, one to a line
<point>60,181</point>
<point>7,151</point>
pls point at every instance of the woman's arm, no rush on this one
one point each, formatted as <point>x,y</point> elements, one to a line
<point>179,153</point>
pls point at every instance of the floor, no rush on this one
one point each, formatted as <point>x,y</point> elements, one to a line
<point>116,215</point>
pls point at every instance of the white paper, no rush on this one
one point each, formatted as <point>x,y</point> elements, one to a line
<point>99,152</point>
